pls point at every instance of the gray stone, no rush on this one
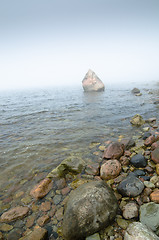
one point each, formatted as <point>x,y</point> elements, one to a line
<point>138,161</point>
<point>90,208</point>
<point>130,210</point>
<point>131,186</point>
<point>91,83</point>
<point>135,91</point>
<point>94,237</point>
<point>138,231</point>
<point>149,215</point>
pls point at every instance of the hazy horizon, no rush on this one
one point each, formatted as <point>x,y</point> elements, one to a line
<point>54,43</point>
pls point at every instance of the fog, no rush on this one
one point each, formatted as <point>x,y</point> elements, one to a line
<point>54,43</point>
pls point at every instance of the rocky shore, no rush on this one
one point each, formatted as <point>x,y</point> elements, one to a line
<point>114,195</point>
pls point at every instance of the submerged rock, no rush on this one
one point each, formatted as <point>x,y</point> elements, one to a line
<point>137,230</point>
<point>71,164</point>
<point>135,91</point>
<point>90,207</point>
<point>37,234</point>
<point>40,190</point>
<point>14,214</point>
<point>137,120</point>
<point>91,83</point>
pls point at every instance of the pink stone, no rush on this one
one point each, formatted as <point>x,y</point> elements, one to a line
<point>114,151</point>
<point>155,155</point>
<point>92,83</point>
<point>65,190</point>
<point>110,169</point>
<point>150,140</point>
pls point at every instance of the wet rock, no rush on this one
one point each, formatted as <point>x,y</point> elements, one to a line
<point>124,161</point>
<point>122,223</point>
<point>14,214</point>
<point>110,169</point>
<point>14,234</point>
<point>45,206</point>
<point>6,227</point>
<point>92,169</point>
<point>149,215</point>
<point>146,135</point>
<point>59,214</point>
<point>138,173</point>
<point>149,184</point>
<point>128,143</point>
<point>155,145</point>
<point>42,189</point>
<point>114,151</point>
<point>65,190</point>
<point>131,186</point>
<point>30,221</point>
<point>90,207</point>
<point>61,183</point>
<point>73,164</point>
<point>137,230</point>
<point>37,234</point>
<point>91,83</point>
<point>94,237</point>
<point>130,210</point>
<point>43,220</point>
<point>154,196</point>
<point>137,120</point>
<point>57,199</point>
<point>1,236</point>
<point>149,141</point>
<point>135,91</point>
<point>138,161</point>
<point>157,169</point>
<point>155,155</point>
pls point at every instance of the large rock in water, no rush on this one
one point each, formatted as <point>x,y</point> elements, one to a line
<point>90,207</point>
<point>91,83</point>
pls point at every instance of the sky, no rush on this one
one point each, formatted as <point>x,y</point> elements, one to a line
<point>55,42</point>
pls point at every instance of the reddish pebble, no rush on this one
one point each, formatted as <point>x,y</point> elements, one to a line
<point>155,155</point>
<point>151,139</point>
<point>43,220</point>
<point>45,206</point>
<point>65,190</point>
<point>154,196</point>
<point>110,169</point>
<point>40,190</point>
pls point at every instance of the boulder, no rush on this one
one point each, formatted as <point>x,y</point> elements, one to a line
<point>149,215</point>
<point>131,186</point>
<point>135,91</point>
<point>114,151</point>
<point>91,83</point>
<point>90,208</point>
<point>138,231</point>
<point>137,120</point>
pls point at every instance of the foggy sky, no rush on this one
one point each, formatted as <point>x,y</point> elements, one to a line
<point>55,42</point>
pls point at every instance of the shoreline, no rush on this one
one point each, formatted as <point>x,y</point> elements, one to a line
<point>47,212</point>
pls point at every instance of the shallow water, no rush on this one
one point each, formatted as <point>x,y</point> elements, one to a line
<point>40,128</point>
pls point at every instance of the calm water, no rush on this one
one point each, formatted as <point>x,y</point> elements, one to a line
<point>40,128</point>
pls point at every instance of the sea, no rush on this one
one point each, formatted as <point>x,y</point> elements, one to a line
<point>41,127</point>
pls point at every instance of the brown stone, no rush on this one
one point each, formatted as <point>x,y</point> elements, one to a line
<point>14,214</point>
<point>92,169</point>
<point>6,227</point>
<point>114,151</point>
<point>45,206</point>
<point>150,140</point>
<point>59,214</point>
<point>110,169</point>
<point>30,221</point>
<point>43,220</point>
<point>40,190</point>
<point>154,196</point>
<point>1,236</point>
<point>157,169</point>
<point>124,161</point>
<point>155,145</point>
<point>155,155</point>
<point>37,234</point>
<point>61,183</point>
<point>65,190</point>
